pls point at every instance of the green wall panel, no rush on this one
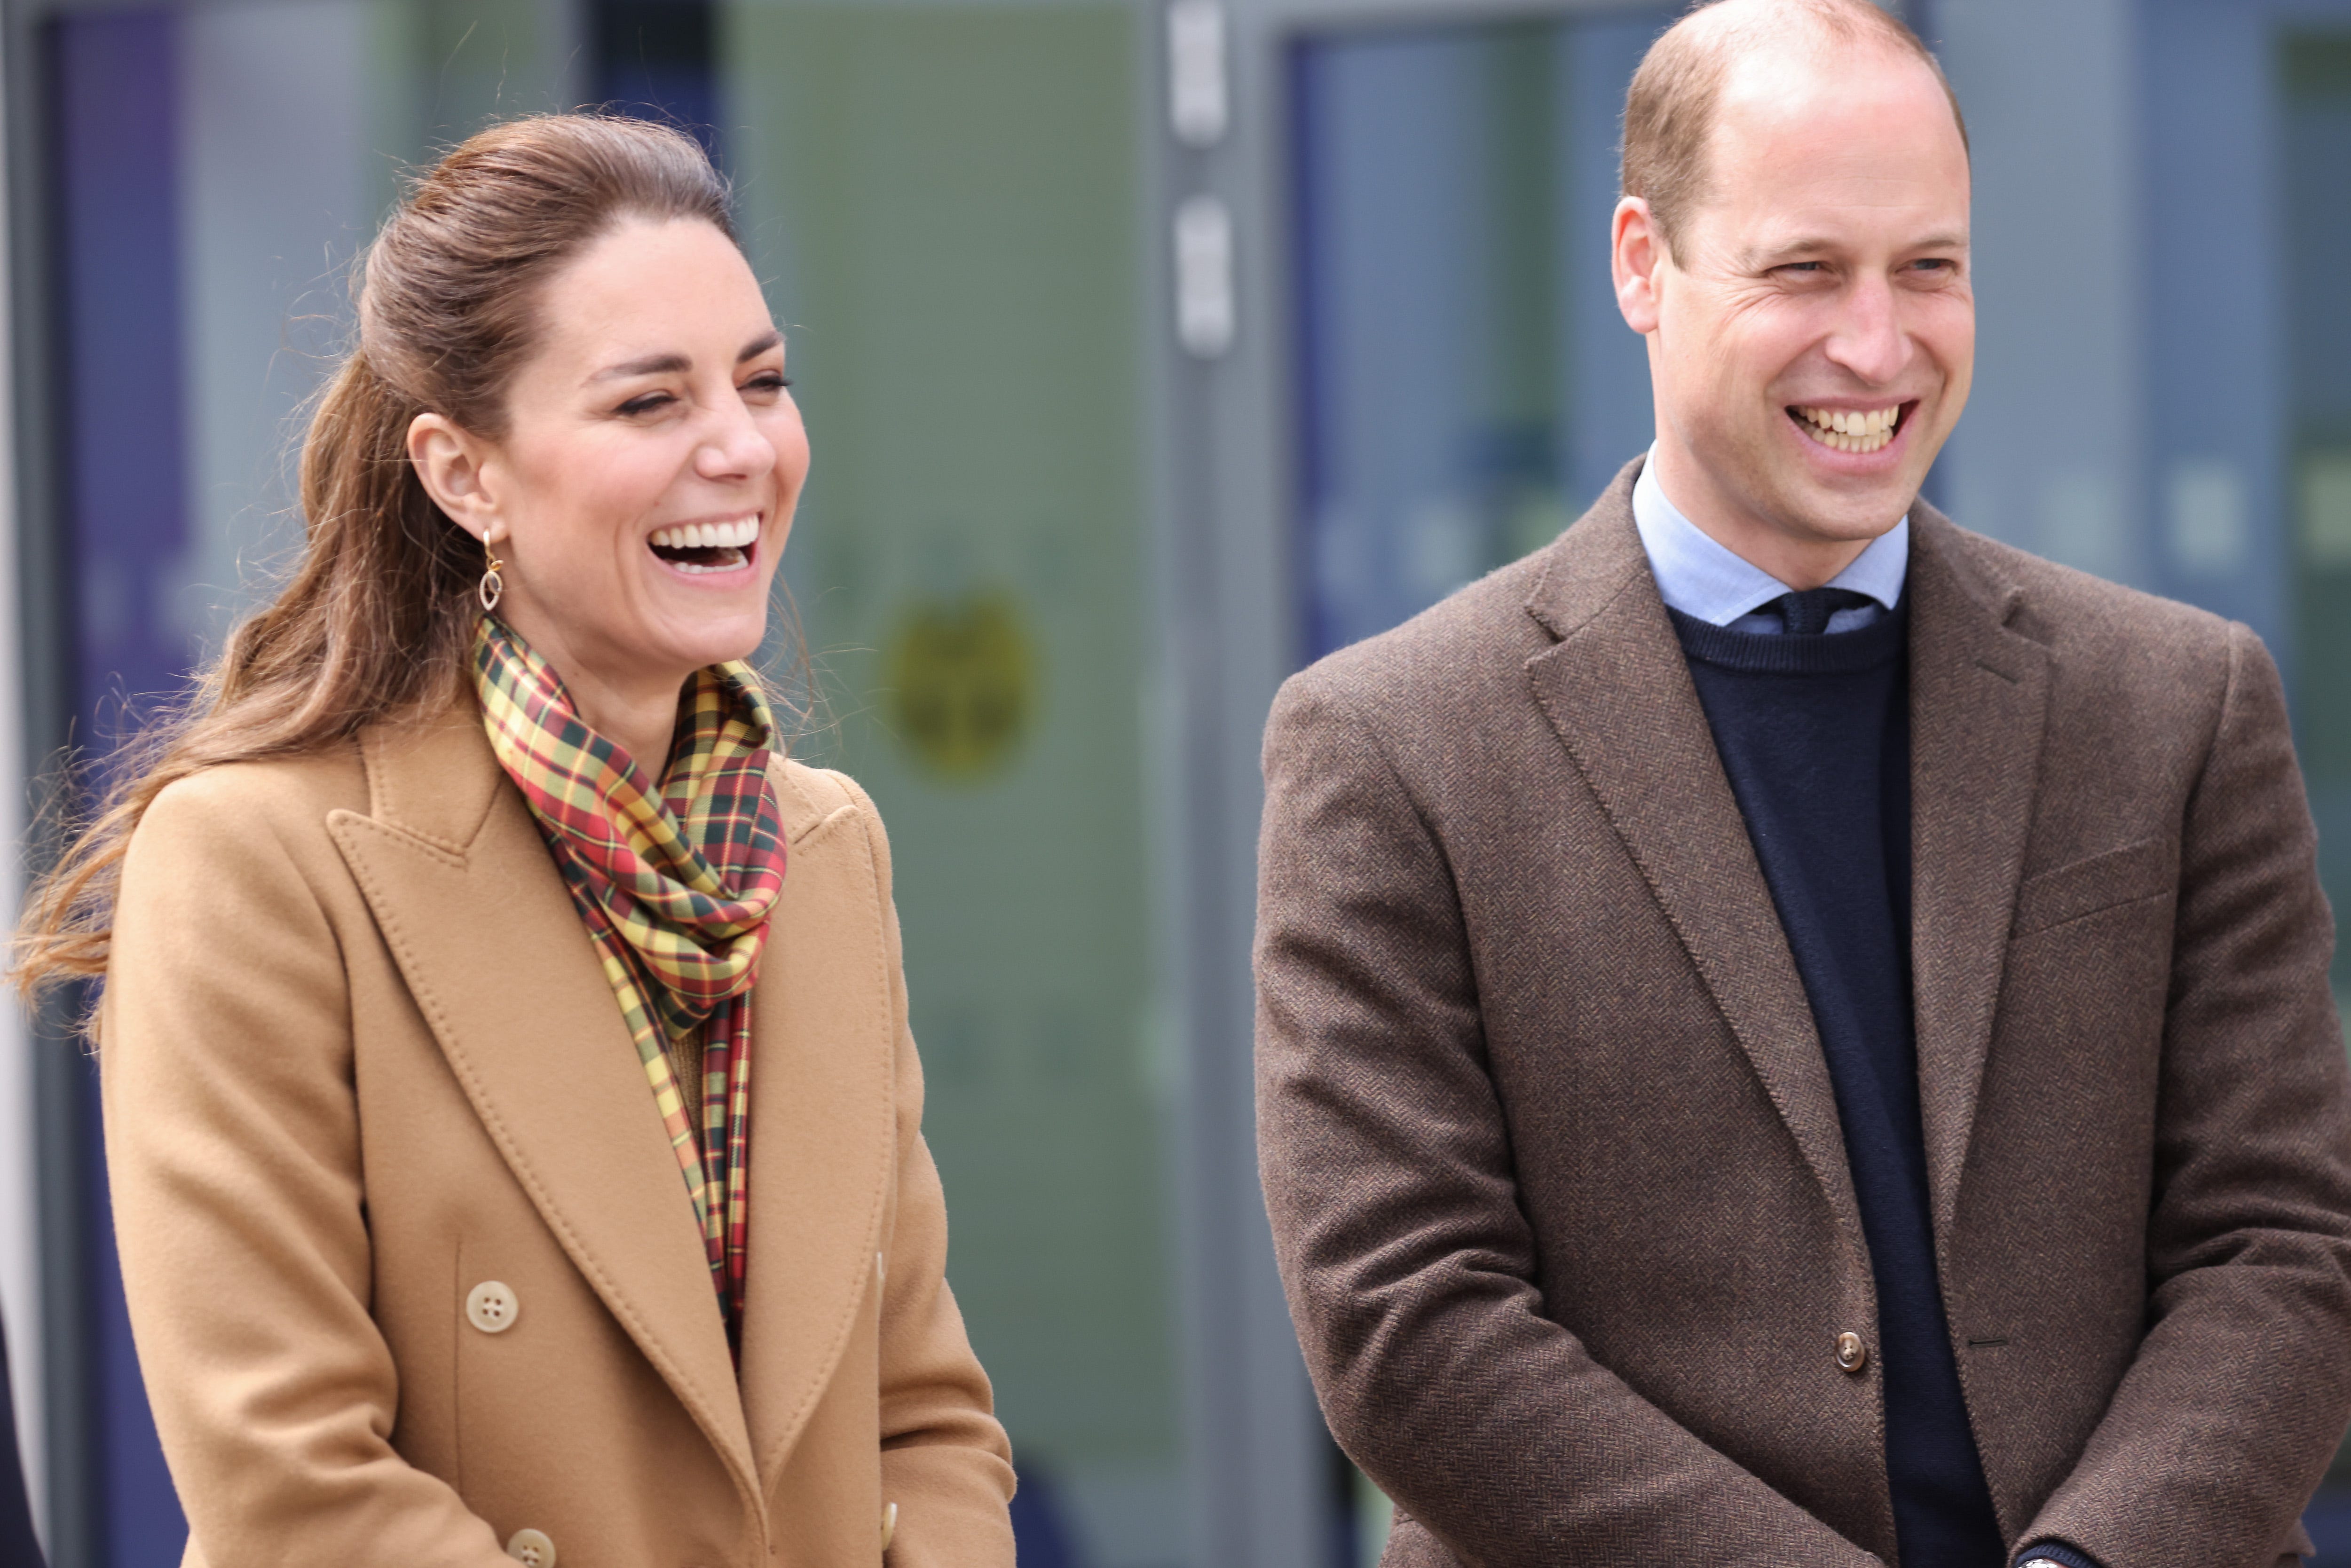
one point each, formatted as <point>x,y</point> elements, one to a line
<point>945,203</point>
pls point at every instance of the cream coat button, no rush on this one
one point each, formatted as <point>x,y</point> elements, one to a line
<point>531,1548</point>
<point>491,1308</point>
<point>1852,1354</point>
<point>889,1523</point>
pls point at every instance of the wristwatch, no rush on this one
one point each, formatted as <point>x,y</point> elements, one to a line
<point>2040,1562</point>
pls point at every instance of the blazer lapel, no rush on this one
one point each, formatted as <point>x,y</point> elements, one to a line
<point>1979,698</point>
<point>484,931</point>
<point>1616,689</point>
<point>823,1127</point>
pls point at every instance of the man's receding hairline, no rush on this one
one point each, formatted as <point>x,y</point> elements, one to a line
<point>1753,49</point>
<point>1740,63</point>
<point>1672,110</point>
<point>1738,40</point>
<point>1834,19</point>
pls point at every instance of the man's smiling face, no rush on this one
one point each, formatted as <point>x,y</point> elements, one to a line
<point>1812,332</point>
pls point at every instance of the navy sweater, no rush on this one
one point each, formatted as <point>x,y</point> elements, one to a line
<point>1814,734</point>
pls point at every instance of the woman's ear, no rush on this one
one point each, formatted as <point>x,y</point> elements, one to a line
<point>450,461</point>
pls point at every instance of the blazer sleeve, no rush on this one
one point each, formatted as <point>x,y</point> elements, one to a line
<point>946,1464</point>
<point>232,1144</point>
<point>1408,1263</point>
<point>2227,1417</point>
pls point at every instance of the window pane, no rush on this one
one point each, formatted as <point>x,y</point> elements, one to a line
<point>946,203</point>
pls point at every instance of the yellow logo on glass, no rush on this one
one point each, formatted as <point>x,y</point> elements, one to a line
<point>961,683</point>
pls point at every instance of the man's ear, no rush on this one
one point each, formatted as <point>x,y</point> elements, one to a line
<point>450,461</point>
<point>1636,256</point>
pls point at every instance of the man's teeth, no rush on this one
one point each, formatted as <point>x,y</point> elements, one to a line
<point>736,535</point>
<point>1856,430</point>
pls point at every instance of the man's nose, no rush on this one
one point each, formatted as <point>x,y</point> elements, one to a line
<point>1868,339</point>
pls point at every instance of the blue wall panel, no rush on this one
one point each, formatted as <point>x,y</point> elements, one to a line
<point>114,136</point>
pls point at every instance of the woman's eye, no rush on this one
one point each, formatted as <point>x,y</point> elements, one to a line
<point>768,381</point>
<point>647,403</point>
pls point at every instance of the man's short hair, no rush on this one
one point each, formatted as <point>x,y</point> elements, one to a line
<point>1669,110</point>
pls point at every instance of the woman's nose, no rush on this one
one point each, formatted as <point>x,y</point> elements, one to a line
<point>735,447</point>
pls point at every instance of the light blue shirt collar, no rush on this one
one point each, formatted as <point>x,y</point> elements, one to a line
<point>1707,581</point>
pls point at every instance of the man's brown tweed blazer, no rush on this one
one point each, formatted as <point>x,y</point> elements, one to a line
<point>1548,1140</point>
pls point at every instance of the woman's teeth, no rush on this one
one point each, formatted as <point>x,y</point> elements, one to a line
<point>707,535</point>
<point>696,547</point>
<point>1854,431</point>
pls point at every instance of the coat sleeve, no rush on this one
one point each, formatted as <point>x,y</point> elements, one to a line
<point>946,1464</point>
<point>2239,1393</point>
<point>232,1144</point>
<point>1408,1260</point>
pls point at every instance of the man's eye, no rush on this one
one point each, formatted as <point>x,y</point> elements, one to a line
<point>1805,267</point>
<point>647,403</point>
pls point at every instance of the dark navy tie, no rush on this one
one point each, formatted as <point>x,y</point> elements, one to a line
<point>1807,613</point>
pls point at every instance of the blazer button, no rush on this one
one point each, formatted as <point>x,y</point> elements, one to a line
<point>1852,1354</point>
<point>532,1549</point>
<point>889,1523</point>
<point>491,1308</point>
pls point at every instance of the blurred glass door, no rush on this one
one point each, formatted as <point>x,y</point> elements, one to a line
<point>200,178</point>
<point>1461,386</point>
<point>2315,68</point>
<point>1465,386</point>
<point>946,200</point>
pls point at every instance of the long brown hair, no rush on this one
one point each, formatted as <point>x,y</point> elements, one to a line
<point>375,618</point>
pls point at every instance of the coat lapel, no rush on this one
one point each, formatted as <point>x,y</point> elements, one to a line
<point>822,1122</point>
<point>1979,699</point>
<point>484,934</point>
<point>1618,692</point>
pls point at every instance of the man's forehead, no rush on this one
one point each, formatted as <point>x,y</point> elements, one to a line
<point>1813,155</point>
<point>1792,80</point>
<point>1840,201</point>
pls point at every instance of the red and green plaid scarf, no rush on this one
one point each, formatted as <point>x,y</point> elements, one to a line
<point>674,884</point>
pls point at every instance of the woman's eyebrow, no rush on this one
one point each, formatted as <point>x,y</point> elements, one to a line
<point>651,365</point>
<point>670,365</point>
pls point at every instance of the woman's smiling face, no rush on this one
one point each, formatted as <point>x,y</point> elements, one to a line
<point>641,490</point>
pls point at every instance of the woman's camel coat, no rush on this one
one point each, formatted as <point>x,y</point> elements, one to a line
<point>360,1062</point>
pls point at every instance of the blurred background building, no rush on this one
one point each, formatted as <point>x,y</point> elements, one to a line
<point>1148,351</point>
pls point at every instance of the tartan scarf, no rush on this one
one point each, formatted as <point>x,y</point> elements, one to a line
<point>674,885</point>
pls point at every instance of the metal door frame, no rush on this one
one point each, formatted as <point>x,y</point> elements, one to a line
<point>1267,1476</point>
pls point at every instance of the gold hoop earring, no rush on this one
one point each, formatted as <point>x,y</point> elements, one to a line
<point>493,586</point>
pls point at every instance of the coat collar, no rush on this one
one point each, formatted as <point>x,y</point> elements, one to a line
<point>459,880</point>
<point>824,1119</point>
<point>1615,687</point>
<point>1978,704</point>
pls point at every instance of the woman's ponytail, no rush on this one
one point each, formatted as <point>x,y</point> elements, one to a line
<point>374,620</point>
